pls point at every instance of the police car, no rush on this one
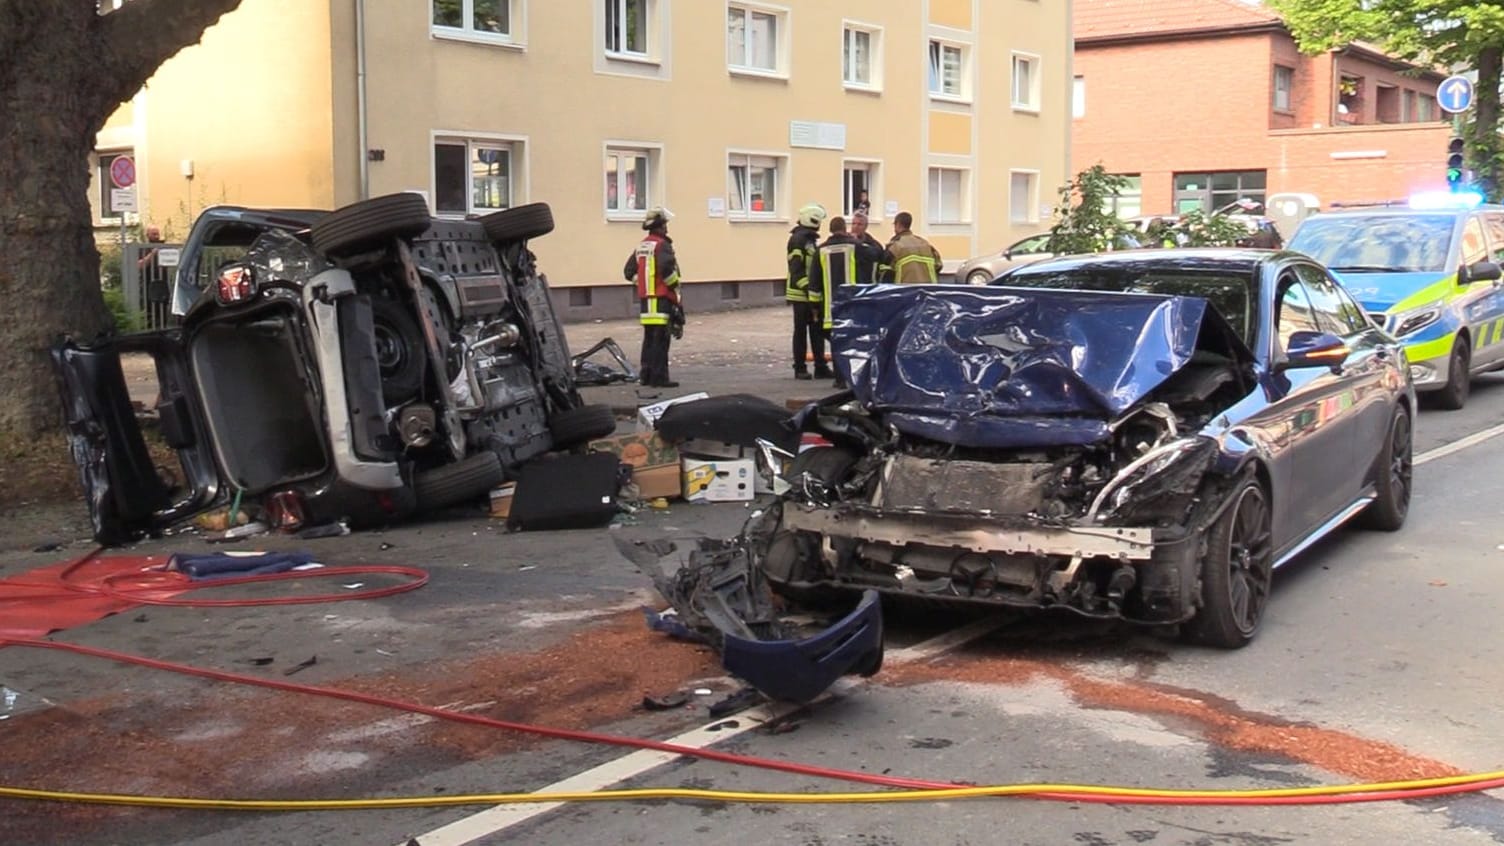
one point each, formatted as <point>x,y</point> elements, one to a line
<point>1428,272</point>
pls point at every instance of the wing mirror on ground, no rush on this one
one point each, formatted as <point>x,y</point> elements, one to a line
<point>1482,271</point>
<point>1315,349</point>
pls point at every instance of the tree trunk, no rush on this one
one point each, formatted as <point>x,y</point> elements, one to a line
<point>66,67</point>
<point>49,269</point>
<point>1484,143</point>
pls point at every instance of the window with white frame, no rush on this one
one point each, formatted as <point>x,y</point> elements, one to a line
<point>859,188</point>
<point>752,185</point>
<point>1023,196</point>
<point>861,56</point>
<point>474,176</point>
<point>1025,81</point>
<point>1078,97</point>
<point>947,69</point>
<point>1128,202</point>
<point>491,20</point>
<point>948,195</point>
<point>627,23</point>
<point>629,180</point>
<point>754,38</point>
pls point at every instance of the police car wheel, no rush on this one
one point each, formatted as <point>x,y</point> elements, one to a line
<point>1459,380</point>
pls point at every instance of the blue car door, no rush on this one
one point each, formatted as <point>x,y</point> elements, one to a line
<point>1313,456</point>
<point>1484,312</point>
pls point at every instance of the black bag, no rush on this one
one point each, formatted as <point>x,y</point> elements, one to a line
<point>566,492</point>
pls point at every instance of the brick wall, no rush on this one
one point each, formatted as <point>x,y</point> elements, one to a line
<point>1159,108</point>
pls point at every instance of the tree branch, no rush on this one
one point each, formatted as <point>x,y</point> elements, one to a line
<point>134,40</point>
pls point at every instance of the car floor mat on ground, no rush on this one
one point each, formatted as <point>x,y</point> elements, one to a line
<point>740,419</point>
<point>566,492</point>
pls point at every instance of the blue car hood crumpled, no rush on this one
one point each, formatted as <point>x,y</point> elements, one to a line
<point>1003,367</point>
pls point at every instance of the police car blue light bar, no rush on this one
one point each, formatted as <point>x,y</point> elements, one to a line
<point>1446,200</point>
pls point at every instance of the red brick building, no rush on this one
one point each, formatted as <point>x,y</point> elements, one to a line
<point>1201,102</point>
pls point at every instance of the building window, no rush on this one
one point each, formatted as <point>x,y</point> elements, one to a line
<point>948,201</point>
<point>1023,196</point>
<point>473,177</point>
<point>1025,82</point>
<point>754,39</point>
<point>1208,192</point>
<point>1427,111</point>
<point>581,298</point>
<point>1350,99</point>
<point>486,20</point>
<point>861,57</point>
<point>1128,202</point>
<point>107,184</point>
<point>859,188</point>
<point>947,70</point>
<point>752,188</point>
<point>1284,81</point>
<point>629,181</point>
<point>1078,97</point>
<point>1409,107</point>
<point>627,27</point>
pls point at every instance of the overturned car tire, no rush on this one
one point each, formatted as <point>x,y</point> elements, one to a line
<point>523,223</point>
<point>458,483</point>
<point>576,426</point>
<point>370,222</point>
<point>401,352</point>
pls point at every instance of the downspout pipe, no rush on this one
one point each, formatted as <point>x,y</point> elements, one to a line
<point>360,98</point>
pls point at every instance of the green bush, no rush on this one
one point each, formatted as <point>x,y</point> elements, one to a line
<point>126,318</point>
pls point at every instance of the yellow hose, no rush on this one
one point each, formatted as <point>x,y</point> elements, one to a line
<point>660,793</point>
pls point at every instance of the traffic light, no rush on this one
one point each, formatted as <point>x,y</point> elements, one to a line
<point>1454,163</point>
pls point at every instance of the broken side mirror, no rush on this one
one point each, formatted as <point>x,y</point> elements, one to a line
<point>1008,254</point>
<point>1482,271</point>
<point>1315,349</point>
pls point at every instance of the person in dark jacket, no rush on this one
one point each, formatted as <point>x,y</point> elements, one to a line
<point>804,298</point>
<point>839,263</point>
<point>655,269</point>
<point>874,263</point>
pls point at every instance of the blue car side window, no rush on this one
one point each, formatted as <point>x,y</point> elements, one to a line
<point>1294,312</point>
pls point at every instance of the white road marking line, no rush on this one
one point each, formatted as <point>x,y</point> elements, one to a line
<point>489,822</point>
<point>1459,445</point>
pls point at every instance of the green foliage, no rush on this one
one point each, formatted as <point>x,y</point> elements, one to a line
<point>1217,230</point>
<point>1084,222</point>
<point>126,319</point>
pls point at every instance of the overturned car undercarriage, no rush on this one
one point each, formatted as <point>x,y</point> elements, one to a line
<point>1050,450</point>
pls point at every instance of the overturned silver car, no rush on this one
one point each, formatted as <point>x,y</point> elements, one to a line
<point>1142,437</point>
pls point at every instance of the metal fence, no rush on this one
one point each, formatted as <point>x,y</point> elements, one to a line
<point>147,280</point>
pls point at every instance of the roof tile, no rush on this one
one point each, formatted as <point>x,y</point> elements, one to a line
<point>1105,18</point>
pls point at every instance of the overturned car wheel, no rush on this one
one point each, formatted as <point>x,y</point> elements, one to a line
<point>458,483</point>
<point>576,426</point>
<point>1236,573</point>
<point>368,223</point>
<point>401,353</point>
<point>523,223</point>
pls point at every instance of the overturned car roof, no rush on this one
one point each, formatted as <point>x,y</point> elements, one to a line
<point>1001,367</point>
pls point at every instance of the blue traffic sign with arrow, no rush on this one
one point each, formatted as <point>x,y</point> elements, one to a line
<point>1455,94</point>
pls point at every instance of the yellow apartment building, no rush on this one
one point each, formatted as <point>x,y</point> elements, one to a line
<point>730,113</point>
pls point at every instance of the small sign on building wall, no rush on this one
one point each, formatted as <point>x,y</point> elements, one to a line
<point>715,207</point>
<point>890,209</point>
<point>820,136</point>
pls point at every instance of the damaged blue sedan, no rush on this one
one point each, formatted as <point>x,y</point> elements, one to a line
<point>1141,436</point>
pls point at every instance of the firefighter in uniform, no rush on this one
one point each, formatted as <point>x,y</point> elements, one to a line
<point>838,263</point>
<point>806,299</point>
<point>914,259</point>
<point>656,271</point>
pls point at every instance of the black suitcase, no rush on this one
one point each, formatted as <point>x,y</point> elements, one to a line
<point>566,492</point>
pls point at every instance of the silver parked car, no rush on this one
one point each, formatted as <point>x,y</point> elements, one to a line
<point>985,268</point>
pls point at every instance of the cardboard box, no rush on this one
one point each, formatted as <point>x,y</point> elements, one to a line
<point>501,500</point>
<point>639,449</point>
<point>666,482</point>
<point>721,480</point>
<point>647,415</point>
<point>655,462</point>
<point>704,448</point>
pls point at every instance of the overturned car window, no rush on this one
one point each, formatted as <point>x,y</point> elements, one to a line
<point>1231,295</point>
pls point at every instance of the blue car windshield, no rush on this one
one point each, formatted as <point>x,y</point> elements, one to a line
<point>1377,243</point>
<point>1229,291</point>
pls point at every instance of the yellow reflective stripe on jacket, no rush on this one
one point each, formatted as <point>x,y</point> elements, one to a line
<point>927,262</point>
<point>647,274</point>
<point>797,290</point>
<point>651,315</point>
<point>847,253</point>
